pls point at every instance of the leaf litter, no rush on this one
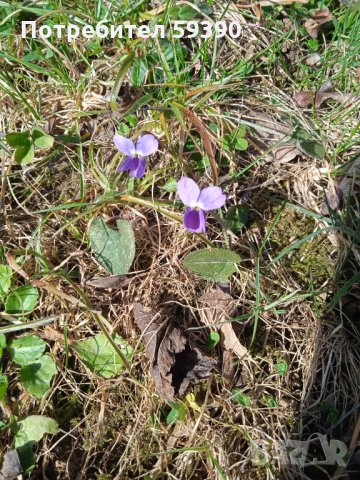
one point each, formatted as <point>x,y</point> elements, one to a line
<point>313,24</point>
<point>305,99</point>
<point>175,362</point>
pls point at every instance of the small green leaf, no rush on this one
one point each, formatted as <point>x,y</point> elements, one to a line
<point>241,132</point>
<point>170,185</point>
<point>213,127</point>
<point>68,139</point>
<point>41,139</point>
<point>271,402</point>
<point>100,356</point>
<point>25,154</point>
<point>184,12</point>
<point>178,412</point>
<point>215,265</point>
<point>174,12</point>
<point>123,129</point>
<point>212,341</point>
<point>30,431</point>
<point>36,377</point>
<point>138,72</point>
<point>227,142</point>
<point>16,140</point>
<point>241,144</point>
<point>237,217</point>
<point>26,349</point>
<point>33,428</point>
<point>241,398</point>
<point>114,250</point>
<point>22,300</point>
<point>2,344</point>
<point>5,280</point>
<point>312,148</point>
<point>187,13</point>
<point>299,134</point>
<point>282,367</point>
<point>4,382</point>
<point>131,119</point>
<point>313,45</point>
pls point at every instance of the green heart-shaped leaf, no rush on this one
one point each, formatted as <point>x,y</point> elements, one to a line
<point>312,148</point>
<point>18,139</point>
<point>30,431</point>
<point>237,217</point>
<point>22,300</point>
<point>36,377</point>
<point>100,356</point>
<point>25,154</point>
<point>113,249</point>
<point>42,139</point>
<point>27,349</point>
<point>5,280</point>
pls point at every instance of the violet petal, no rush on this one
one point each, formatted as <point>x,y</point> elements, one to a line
<point>194,220</point>
<point>139,170</point>
<point>188,191</point>
<point>211,198</point>
<point>146,145</point>
<point>125,145</point>
<point>130,163</point>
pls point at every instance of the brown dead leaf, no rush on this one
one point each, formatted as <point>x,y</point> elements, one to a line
<point>343,188</point>
<point>217,313</point>
<point>333,201</point>
<point>306,99</point>
<point>285,153</point>
<point>231,342</point>
<point>273,133</point>
<point>314,23</point>
<point>229,368</point>
<point>111,281</point>
<point>313,59</point>
<point>11,466</point>
<point>175,363</point>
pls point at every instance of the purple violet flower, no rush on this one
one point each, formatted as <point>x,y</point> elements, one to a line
<point>135,160</point>
<point>198,203</point>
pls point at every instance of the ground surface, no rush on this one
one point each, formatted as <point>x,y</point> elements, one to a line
<point>295,295</point>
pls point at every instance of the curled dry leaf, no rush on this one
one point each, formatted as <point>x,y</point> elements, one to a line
<point>272,132</point>
<point>334,200</point>
<point>111,281</point>
<point>306,99</point>
<point>219,307</point>
<point>312,59</point>
<point>342,189</point>
<point>285,153</point>
<point>11,466</point>
<point>229,368</point>
<point>175,363</point>
<point>314,23</point>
